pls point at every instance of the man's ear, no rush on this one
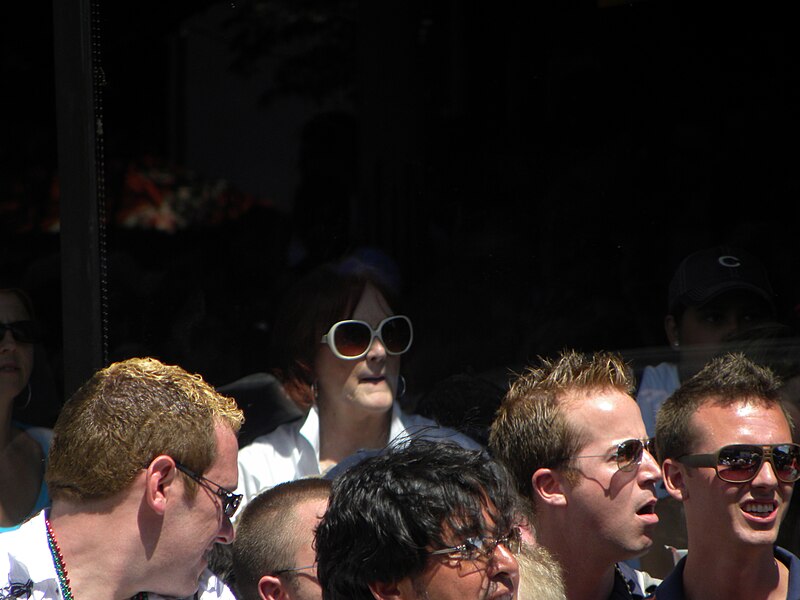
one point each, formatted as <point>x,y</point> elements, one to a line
<point>671,329</point>
<point>549,486</point>
<point>674,479</point>
<point>271,588</point>
<point>390,591</point>
<point>159,478</point>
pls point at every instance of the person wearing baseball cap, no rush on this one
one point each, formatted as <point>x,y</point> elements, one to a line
<point>714,293</point>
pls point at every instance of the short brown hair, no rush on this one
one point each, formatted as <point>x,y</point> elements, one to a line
<point>725,380</point>
<point>265,533</point>
<point>127,414</point>
<point>531,430</point>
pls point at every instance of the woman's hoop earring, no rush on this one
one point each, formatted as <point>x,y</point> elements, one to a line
<point>28,400</point>
<point>315,392</point>
<point>401,386</point>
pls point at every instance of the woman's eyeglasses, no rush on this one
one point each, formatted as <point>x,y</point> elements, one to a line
<point>27,332</point>
<point>740,463</point>
<point>351,340</point>
<point>230,501</point>
<point>629,453</point>
<point>476,548</point>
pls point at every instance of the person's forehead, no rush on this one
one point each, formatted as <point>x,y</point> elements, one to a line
<point>224,470</point>
<point>604,414</point>
<point>745,421</point>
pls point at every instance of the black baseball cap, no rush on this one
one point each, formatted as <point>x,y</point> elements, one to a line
<point>705,274</point>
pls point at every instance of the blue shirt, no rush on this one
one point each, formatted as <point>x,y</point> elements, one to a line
<point>672,586</point>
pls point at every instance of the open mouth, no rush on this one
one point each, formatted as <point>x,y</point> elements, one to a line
<point>373,379</point>
<point>648,513</point>
<point>759,510</point>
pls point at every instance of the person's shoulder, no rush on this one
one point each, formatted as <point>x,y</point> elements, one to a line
<point>415,425</point>
<point>672,586</point>
<point>640,583</point>
<point>280,440</point>
<point>663,376</point>
<point>211,588</point>
<point>42,435</point>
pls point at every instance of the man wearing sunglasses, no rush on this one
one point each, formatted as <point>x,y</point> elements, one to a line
<point>427,520</point>
<point>273,555</point>
<point>573,437</point>
<point>140,474</point>
<point>725,442</point>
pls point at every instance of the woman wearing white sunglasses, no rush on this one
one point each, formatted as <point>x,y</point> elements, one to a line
<point>337,347</point>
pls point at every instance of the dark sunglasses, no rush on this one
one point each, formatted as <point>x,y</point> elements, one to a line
<point>351,340</point>
<point>27,332</point>
<point>230,501</point>
<point>482,547</point>
<point>629,453</point>
<point>740,463</point>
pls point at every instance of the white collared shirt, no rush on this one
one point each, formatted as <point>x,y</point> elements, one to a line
<point>292,450</point>
<point>25,556</point>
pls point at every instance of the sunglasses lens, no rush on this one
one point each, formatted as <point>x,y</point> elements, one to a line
<point>26,332</point>
<point>629,454</point>
<point>352,339</point>
<point>651,447</point>
<point>396,335</point>
<point>786,459</point>
<point>738,463</point>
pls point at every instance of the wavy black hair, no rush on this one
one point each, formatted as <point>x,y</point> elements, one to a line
<point>389,511</point>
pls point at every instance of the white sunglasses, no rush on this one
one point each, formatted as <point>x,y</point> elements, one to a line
<point>351,339</point>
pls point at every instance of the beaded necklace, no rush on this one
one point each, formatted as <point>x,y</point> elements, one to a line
<point>61,570</point>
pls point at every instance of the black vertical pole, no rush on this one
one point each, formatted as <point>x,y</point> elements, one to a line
<point>77,174</point>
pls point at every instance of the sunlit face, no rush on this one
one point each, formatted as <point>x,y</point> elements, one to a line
<point>725,513</point>
<point>493,577</point>
<point>367,385</point>
<point>16,358</point>
<point>304,585</point>
<point>616,506</point>
<point>196,523</point>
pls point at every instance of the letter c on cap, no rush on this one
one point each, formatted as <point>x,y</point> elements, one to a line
<point>729,261</point>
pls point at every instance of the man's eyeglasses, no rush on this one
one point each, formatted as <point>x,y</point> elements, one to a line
<point>27,332</point>
<point>230,501</point>
<point>740,463</point>
<point>482,547</point>
<point>629,453</point>
<point>351,340</point>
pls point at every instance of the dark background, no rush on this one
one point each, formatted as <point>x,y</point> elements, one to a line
<point>532,171</point>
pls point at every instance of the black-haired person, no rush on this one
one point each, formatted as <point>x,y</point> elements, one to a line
<point>727,455</point>
<point>714,294</point>
<point>23,449</point>
<point>426,520</point>
<point>338,344</point>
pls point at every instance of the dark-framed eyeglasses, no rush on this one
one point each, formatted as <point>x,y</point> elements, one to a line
<point>230,501</point>
<point>740,463</point>
<point>351,339</point>
<point>629,453</point>
<point>27,332</point>
<point>476,548</point>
